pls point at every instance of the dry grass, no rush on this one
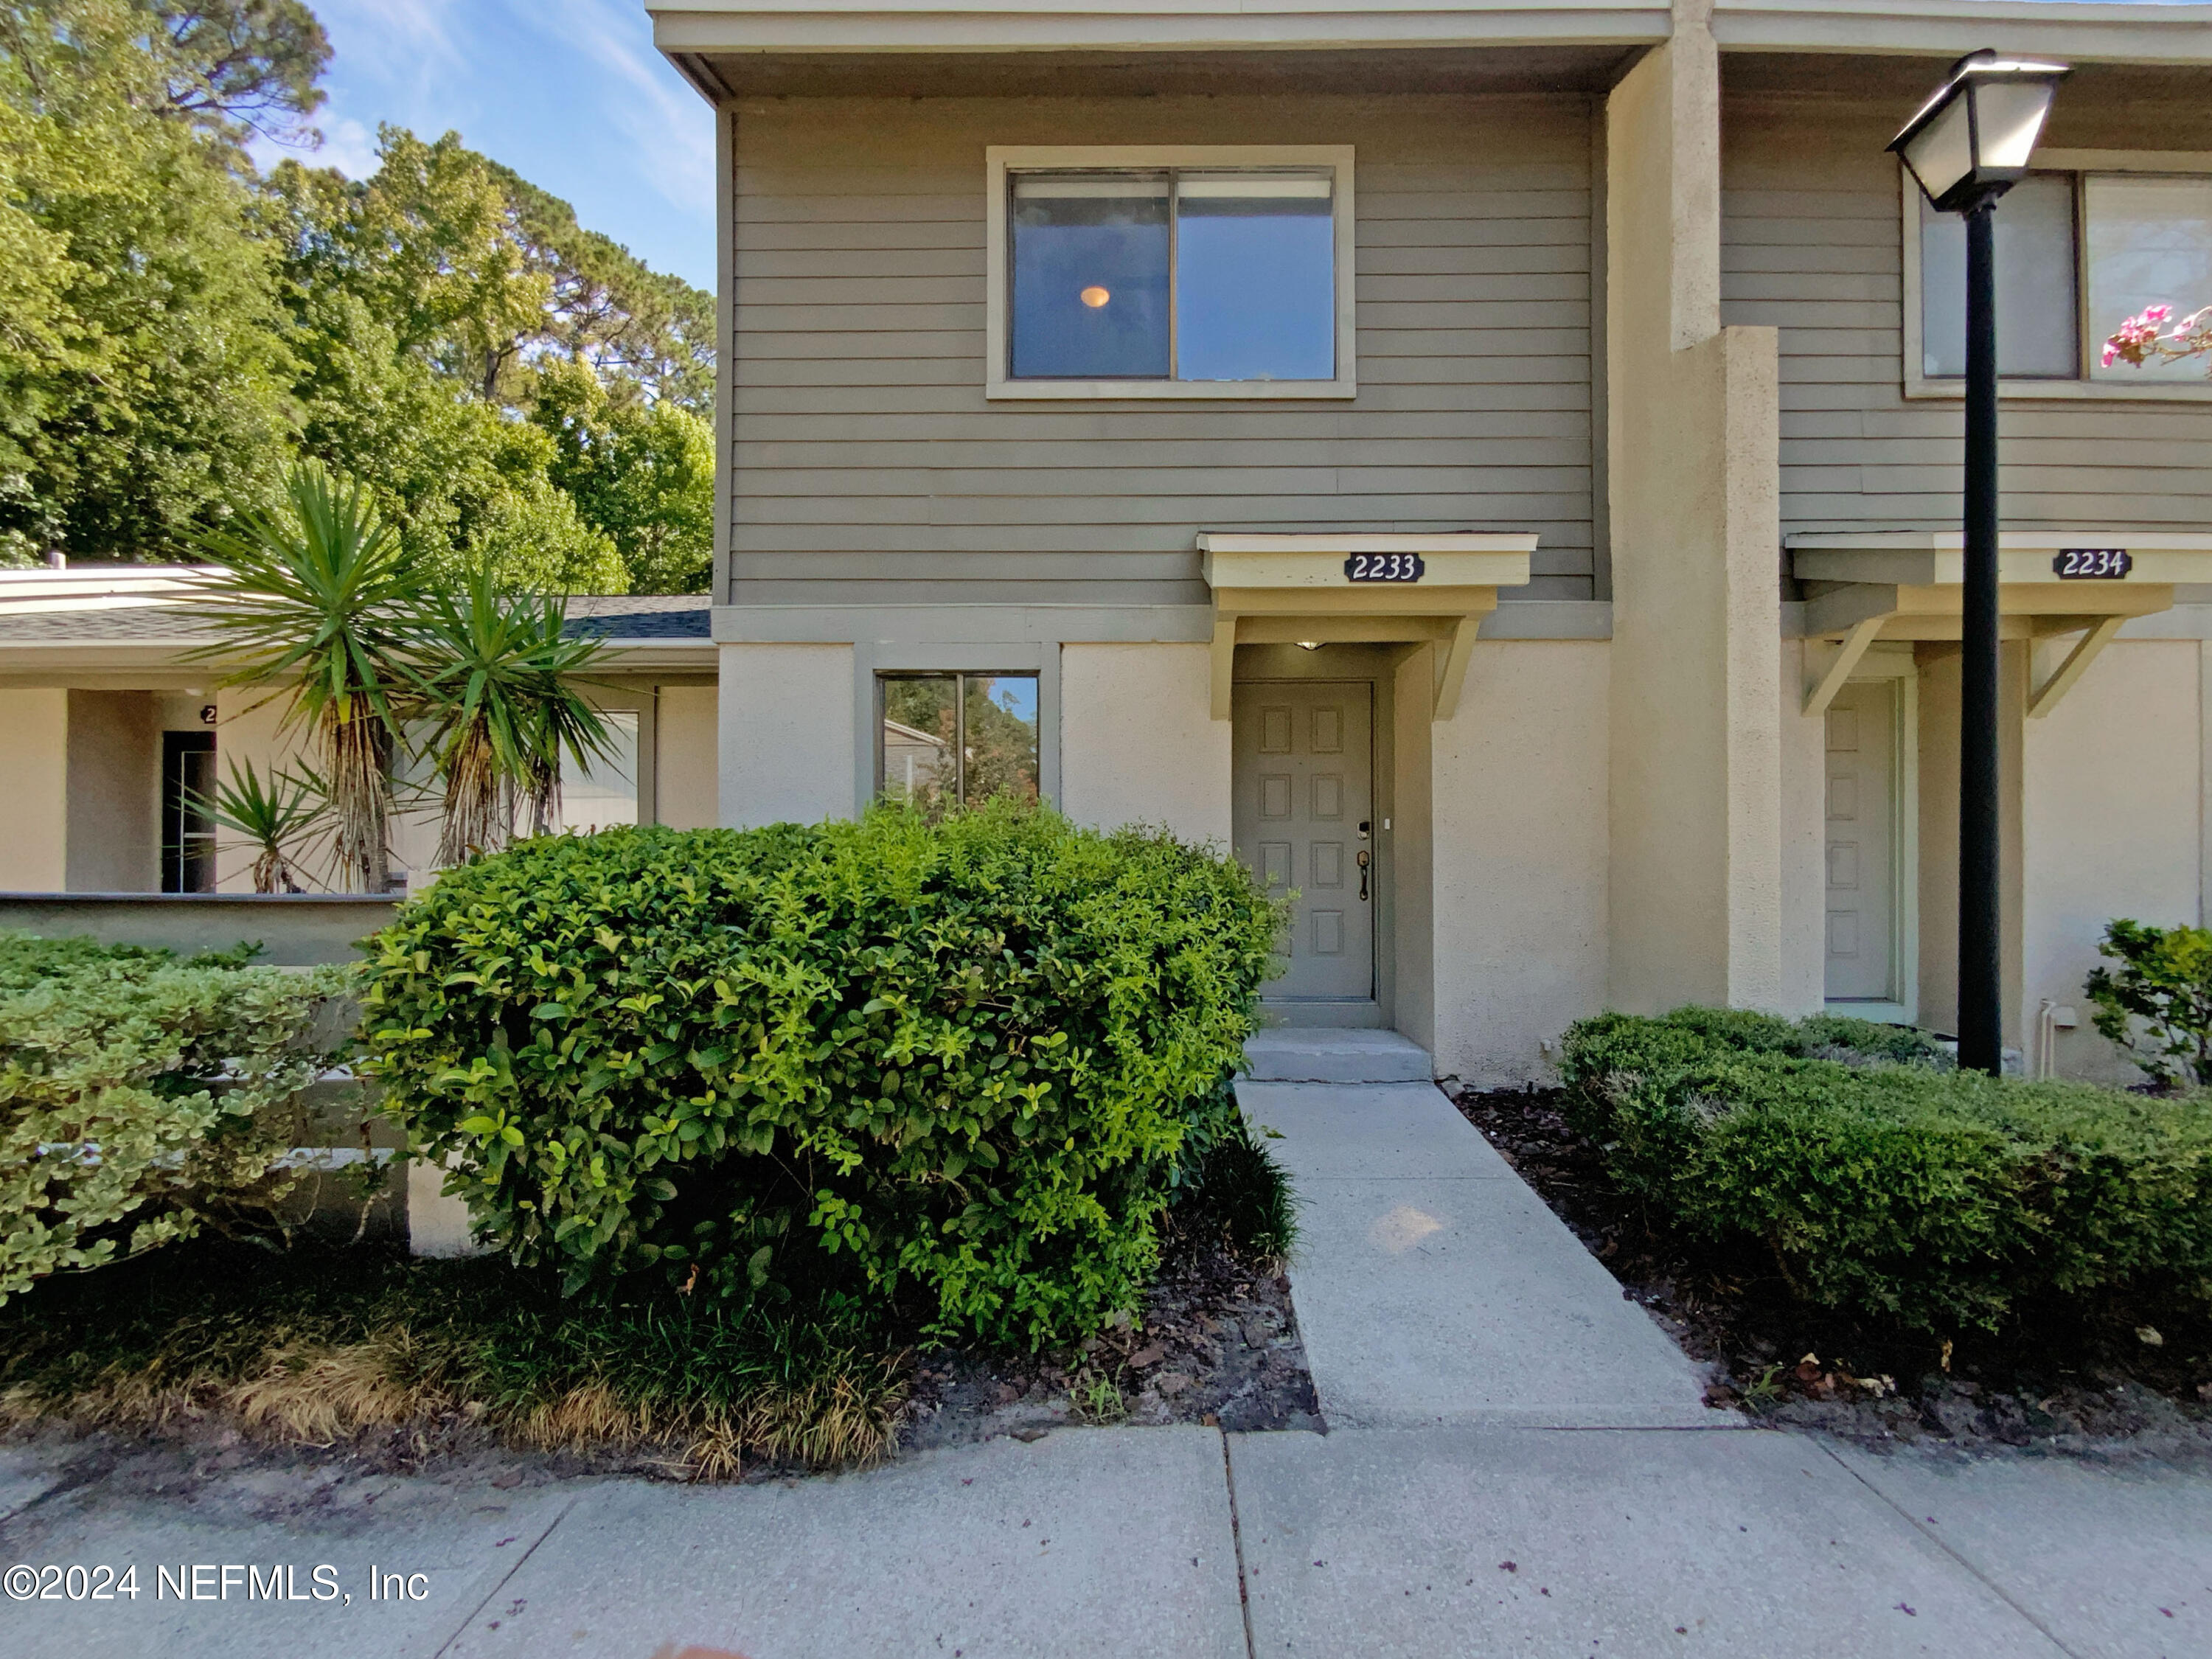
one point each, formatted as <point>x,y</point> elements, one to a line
<point>291,1354</point>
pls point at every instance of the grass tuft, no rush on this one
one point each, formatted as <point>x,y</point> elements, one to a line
<point>1242,1183</point>
<point>311,1349</point>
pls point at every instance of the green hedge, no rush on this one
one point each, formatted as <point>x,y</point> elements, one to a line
<point>142,1098</point>
<point>963,1064</point>
<point>1883,1182</point>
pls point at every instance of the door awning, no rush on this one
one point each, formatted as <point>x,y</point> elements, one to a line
<point>1356,588</point>
<point>1861,586</point>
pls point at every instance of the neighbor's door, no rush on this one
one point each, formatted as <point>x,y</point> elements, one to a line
<point>1302,819</point>
<point>188,833</point>
<point>1863,913</point>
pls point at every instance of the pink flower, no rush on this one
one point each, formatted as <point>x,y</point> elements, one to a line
<point>2155,313</point>
<point>2111,352</point>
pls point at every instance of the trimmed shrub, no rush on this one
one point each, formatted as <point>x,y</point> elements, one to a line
<point>143,1099</point>
<point>1938,1198</point>
<point>956,1063</point>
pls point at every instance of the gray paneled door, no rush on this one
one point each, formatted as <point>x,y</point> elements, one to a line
<point>1304,802</point>
<point>1862,800</point>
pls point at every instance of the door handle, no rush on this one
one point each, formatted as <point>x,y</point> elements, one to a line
<point>1362,872</point>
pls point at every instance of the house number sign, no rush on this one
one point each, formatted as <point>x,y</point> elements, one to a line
<point>1384,567</point>
<point>2083,564</point>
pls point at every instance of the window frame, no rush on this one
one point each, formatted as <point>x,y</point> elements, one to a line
<point>2076,163</point>
<point>874,661</point>
<point>1002,162</point>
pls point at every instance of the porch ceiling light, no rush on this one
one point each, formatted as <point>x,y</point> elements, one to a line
<point>1309,645</point>
<point>1094,296</point>
<point>1970,142</point>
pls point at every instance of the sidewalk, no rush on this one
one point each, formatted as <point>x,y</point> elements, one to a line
<point>1753,1545</point>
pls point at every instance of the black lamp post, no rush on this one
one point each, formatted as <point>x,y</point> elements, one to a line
<point>1968,145</point>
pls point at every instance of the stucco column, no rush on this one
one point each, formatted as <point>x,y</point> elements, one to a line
<point>1693,491</point>
<point>34,774</point>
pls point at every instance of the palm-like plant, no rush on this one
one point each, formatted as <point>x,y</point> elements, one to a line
<point>496,678</point>
<point>318,604</point>
<point>274,819</point>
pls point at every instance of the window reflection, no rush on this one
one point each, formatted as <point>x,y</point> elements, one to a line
<point>1255,279</point>
<point>2150,243</point>
<point>2036,320</point>
<point>1091,276</point>
<point>1193,276</point>
<point>951,739</point>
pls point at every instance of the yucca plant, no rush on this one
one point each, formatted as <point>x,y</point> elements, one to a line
<point>496,677</point>
<point>319,605</point>
<point>276,819</point>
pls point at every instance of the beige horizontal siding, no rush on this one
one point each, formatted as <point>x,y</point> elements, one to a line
<point>1810,245</point>
<point>869,467</point>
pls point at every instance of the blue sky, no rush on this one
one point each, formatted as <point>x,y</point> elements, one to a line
<point>571,94</point>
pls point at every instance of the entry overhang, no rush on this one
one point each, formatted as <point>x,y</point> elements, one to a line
<point>1283,589</point>
<point>1862,587</point>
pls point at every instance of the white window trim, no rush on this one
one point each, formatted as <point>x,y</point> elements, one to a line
<point>999,159</point>
<point>1918,384</point>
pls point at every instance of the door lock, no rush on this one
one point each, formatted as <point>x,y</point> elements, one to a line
<point>1362,872</point>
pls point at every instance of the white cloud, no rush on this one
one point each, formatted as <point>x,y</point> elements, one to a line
<point>349,146</point>
<point>667,126</point>
<point>398,40</point>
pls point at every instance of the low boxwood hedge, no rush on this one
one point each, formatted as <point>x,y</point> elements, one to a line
<point>143,1098</point>
<point>1883,1182</point>
<point>962,1065</point>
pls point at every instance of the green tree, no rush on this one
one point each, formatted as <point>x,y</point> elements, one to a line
<point>254,62</point>
<point>143,370</point>
<point>643,474</point>
<point>489,277</point>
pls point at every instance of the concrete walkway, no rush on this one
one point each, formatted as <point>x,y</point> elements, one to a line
<point>1433,1287</point>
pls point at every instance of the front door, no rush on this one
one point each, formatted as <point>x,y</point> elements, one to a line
<point>1303,773</point>
<point>1862,803</point>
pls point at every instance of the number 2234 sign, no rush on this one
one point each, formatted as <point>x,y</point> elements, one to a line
<point>1383,568</point>
<point>2088,564</point>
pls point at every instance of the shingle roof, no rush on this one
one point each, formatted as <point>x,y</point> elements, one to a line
<point>608,615</point>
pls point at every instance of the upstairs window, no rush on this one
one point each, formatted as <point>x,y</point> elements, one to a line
<point>1174,273</point>
<point>2078,253</point>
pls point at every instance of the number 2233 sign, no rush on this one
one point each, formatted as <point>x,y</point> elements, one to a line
<point>1384,567</point>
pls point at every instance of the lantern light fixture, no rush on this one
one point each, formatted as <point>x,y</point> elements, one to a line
<point>1970,142</point>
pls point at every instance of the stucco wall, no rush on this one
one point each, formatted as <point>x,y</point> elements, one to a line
<point>114,792</point>
<point>1137,743</point>
<point>34,780</point>
<point>1695,792</point>
<point>787,734</point>
<point>1411,843</point>
<point>1804,842</point>
<point>688,763</point>
<point>2110,782</point>
<point>1520,894</point>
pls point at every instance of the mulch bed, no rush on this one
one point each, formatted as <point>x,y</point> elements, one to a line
<point>1217,1344</point>
<point>2061,1378</point>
